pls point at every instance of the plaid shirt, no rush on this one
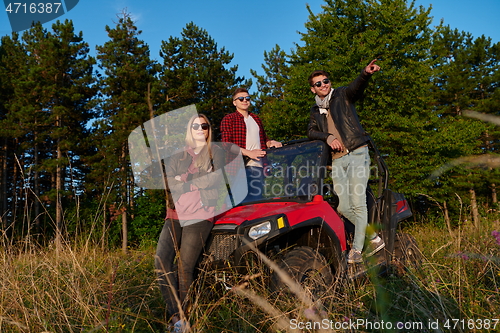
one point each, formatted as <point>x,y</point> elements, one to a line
<point>234,130</point>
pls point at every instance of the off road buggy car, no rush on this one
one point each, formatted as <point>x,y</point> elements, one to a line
<point>296,224</point>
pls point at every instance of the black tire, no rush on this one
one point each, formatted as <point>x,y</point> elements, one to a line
<point>407,254</point>
<point>307,267</point>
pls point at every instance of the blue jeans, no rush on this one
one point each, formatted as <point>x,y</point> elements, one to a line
<point>350,175</point>
<point>188,242</point>
<point>255,180</point>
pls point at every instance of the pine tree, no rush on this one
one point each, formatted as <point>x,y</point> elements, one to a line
<point>195,72</point>
<point>464,79</point>
<point>49,106</point>
<point>343,39</point>
<point>5,139</point>
<point>129,74</point>
<point>71,103</point>
<point>18,127</point>
<point>466,72</point>
<point>271,92</point>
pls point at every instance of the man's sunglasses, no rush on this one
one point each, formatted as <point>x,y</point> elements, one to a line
<point>241,99</point>
<point>318,84</point>
<point>204,126</point>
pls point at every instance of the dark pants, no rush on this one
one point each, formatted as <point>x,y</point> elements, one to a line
<point>255,180</point>
<point>188,242</point>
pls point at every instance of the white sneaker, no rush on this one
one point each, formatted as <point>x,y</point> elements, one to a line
<point>354,256</point>
<point>375,245</point>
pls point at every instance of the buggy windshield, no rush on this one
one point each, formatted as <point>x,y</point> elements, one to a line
<point>293,171</point>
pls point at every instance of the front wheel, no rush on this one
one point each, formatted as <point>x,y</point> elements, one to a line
<point>308,268</point>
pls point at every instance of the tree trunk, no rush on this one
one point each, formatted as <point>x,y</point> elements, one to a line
<point>494,194</point>
<point>3,188</point>
<point>36,190</point>
<point>104,224</point>
<point>15,187</point>
<point>124,199</point>
<point>124,232</point>
<point>475,212</point>
<point>164,176</point>
<point>447,218</point>
<point>131,196</point>
<point>58,199</point>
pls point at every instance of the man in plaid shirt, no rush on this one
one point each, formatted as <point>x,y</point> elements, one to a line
<point>245,129</point>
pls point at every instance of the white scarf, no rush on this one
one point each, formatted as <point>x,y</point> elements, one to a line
<point>324,104</point>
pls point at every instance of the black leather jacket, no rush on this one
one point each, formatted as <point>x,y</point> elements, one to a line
<point>344,115</point>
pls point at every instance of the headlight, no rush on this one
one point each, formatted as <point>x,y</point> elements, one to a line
<point>259,230</point>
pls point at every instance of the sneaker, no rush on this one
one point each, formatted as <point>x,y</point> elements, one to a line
<point>354,256</point>
<point>375,245</point>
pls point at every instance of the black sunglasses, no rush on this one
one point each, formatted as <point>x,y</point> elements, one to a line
<point>241,99</point>
<point>204,126</point>
<point>318,84</point>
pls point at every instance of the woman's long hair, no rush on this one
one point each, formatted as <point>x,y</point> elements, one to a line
<point>204,159</point>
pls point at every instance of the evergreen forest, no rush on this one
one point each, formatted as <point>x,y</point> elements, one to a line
<point>65,115</point>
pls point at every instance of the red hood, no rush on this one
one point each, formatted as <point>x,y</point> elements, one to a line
<point>240,214</point>
<point>296,213</point>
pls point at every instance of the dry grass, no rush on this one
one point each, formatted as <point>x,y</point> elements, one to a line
<point>85,289</point>
<point>463,267</point>
<point>76,290</point>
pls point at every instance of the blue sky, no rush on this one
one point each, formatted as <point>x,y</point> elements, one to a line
<point>247,29</point>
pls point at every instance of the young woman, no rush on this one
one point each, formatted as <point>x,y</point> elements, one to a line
<point>194,191</point>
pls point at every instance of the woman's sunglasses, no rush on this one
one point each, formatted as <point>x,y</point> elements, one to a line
<point>325,81</point>
<point>241,99</point>
<point>204,126</point>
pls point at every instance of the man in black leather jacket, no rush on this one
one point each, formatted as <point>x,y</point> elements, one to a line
<point>334,120</point>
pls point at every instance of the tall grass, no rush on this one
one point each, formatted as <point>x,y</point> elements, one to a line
<point>77,290</point>
<point>83,288</point>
